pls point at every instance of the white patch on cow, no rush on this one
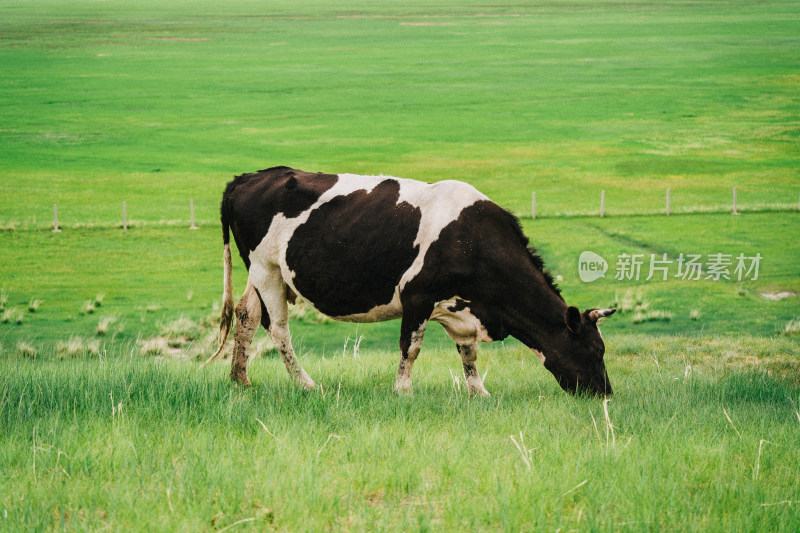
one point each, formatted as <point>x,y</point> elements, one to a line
<point>439,203</point>
<point>272,249</point>
<point>462,326</point>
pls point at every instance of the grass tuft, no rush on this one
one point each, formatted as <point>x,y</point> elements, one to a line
<point>154,347</point>
<point>25,349</point>
<point>77,347</point>
<point>181,331</point>
<point>741,292</point>
<point>12,316</point>
<point>792,328</point>
<point>637,303</point>
<point>105,323</point>
<point>33,305</point>
<point>641,316</point>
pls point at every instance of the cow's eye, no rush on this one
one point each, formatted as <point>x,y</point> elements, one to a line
<point>599,351</point>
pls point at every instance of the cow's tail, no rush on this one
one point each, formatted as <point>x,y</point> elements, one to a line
<point>226,318</point>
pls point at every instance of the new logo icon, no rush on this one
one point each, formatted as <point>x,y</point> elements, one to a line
<point>591,266</point>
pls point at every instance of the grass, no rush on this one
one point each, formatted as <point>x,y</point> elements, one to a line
<point>123,442</point>
<point>78,347</point>
<point>34,305</point>
<point>26,350</point>
<point>564,99</point>
<point>104,325</point>
<point>792,327</point>
<point>106,425</point>
<point>146,274</point>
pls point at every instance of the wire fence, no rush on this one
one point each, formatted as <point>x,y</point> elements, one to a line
<point>669,209</point>
<point>734,208</point>
<point>124,222</point>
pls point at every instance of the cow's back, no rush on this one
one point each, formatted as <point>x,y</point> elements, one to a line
<point>351,250</point>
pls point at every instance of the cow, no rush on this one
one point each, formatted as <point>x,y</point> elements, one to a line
<point>375,248</point>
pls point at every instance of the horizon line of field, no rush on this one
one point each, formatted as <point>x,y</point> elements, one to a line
<point>734,208</point>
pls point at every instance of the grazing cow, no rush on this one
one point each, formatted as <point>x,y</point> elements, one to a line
<point>374,248</point>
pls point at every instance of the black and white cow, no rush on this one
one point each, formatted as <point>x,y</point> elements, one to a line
<point>374,248</point>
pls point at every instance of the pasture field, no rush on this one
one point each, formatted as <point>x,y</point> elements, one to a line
<point>153,279</point>
<point>105,422</point>
<point>155,103</point>
<point>699,436</point>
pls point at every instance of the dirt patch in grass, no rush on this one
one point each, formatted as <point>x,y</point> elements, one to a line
<point>776,296</point>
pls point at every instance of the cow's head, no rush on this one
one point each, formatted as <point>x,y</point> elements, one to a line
<point>576,359</point>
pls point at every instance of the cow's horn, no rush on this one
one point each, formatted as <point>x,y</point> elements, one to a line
<point>597,314</point>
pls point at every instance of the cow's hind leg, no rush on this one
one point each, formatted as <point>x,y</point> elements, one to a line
<point>273,293</point>
<point>469,354</point>
<point>248,316</point>
<point>411,333</point>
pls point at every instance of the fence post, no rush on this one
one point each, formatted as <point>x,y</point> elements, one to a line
<point>124,215</point>
<point>668,199</point>
<point>191,213</point>
<point>602,204</point>
<point>533,205</point>
<point>735,210</point>
<point>56,229</point>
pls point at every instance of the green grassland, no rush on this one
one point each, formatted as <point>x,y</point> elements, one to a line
<point>131,443</point>
<point>150,277</point>
<point>108,425</point>
<point>154,104</point>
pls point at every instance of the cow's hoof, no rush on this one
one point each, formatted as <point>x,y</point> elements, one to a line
<point>305,382</point>
<point>403,388</point>
<point>475,387</point>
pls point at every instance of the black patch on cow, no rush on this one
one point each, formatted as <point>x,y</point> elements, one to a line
<point>351,252</point>
<point>459,305</point>
<point>251,201</point>
<point>483,257</point>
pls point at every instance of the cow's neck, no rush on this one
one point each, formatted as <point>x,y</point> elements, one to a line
<point>537,313</point>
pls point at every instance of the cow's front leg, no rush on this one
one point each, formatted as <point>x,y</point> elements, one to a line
<point>469,354</point>
<point>248,316</point>
<point>410,345</point>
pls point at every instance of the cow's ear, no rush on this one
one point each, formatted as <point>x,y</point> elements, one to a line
<point>573,319</point>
